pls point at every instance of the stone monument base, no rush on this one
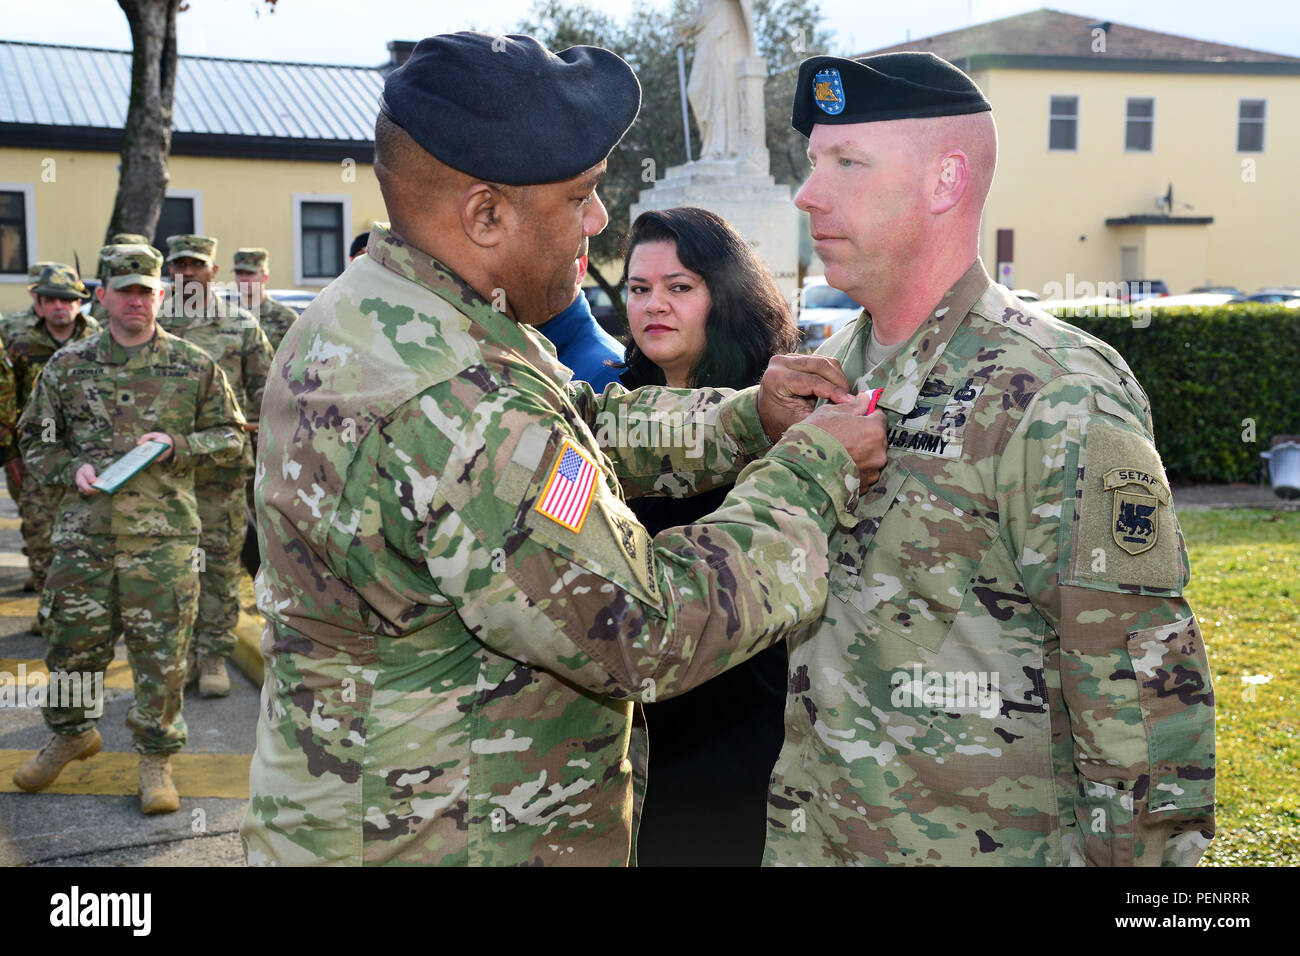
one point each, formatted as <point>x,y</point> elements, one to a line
<point>747,197</point>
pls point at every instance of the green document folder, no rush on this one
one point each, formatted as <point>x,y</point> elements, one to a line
<point>122,470</point>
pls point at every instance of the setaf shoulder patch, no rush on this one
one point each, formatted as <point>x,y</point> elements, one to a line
<point>1135,511</point>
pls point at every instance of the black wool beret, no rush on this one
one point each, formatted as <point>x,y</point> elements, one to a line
<point>507,110</point>
<point>887,86</point>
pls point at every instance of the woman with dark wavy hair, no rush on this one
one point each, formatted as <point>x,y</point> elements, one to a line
<point>703,311</point>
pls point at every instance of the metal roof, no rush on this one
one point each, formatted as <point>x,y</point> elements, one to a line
<point>87,88</point>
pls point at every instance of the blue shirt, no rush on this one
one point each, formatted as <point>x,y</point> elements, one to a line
<point>583,345</point>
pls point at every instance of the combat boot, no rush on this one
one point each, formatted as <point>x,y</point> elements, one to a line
<point>39,770</point>
<point>191,668</point>
<point>31,584</point>
<point>213,679</point>
<point>36,624</point>
<point>157,792</point>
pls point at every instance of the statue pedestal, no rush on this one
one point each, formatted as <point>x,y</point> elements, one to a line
<point>751,200</point>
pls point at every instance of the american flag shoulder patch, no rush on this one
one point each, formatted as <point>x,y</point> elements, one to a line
<point>566,496</point>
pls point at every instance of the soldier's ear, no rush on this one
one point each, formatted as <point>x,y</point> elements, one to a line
<point>480,214</point>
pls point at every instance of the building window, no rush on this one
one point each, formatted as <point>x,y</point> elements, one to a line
<point>1139,124</point>
<point>1063,123</point>
<point>17,231</point>
<point>182,214</point>
<point>320,225</point>
<point>1250,126</point>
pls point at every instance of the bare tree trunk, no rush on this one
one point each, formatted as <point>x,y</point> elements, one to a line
<point>147,138</point>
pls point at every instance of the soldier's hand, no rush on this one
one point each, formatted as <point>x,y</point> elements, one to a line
<point>85,475</point>
<point>791,386</point>
<point>248,426</point>
<point>863,436</point>
<point>162,437</point>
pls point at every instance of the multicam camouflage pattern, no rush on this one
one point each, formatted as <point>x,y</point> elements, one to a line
<point>92,403</point>
<point>60,282</point>
<point>252,259</point>
<point>275,317</point>
<point>232,337</point>
<point>450,672</point>
<point>188,245</point>
<point>39,503</point>
<point>11,325</point>
<point>149,585</point>
<point>10,409</point>
<point>997,680</point>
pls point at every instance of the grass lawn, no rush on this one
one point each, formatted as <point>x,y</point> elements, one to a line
<point>1245,590</point>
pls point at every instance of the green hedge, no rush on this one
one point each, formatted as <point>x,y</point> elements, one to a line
<point>1206,370</point>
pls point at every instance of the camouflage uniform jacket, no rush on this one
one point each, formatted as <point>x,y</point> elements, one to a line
<point>91,405</point>
<point>1006,672</point>
<point>450,668</point>
<point>31,347</point>
<point>10,408</point>
<point>276,317</point>
<point>234,339</point>
<point>10,325</point>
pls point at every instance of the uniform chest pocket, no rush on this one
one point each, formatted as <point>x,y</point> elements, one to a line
<point>908,565</point>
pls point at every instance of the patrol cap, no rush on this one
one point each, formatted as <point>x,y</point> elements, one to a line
<point>60,282</point>
<point>128,239</point>
<point>507,110</point>
<point>189,246</point>
<point>133,265</point>
<point>888,86</point>
<point>252,260</point>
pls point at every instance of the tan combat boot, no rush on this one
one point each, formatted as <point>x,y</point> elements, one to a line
<point>36,624</point>
<point>213,679</point>
<point>39,770</point>
<point>191,668</point>
<point>157,792</point>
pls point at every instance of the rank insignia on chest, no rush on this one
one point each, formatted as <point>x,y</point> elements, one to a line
<point>566,496</point>
<point>1135,513</point>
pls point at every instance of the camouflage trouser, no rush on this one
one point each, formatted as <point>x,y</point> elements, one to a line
<point>221,512</point>
<point>143,588</point>
<point>38,506</point>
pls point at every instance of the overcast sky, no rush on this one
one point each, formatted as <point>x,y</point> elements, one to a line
<point>356,31</point>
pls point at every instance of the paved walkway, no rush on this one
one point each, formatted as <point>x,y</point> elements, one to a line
<point>1231,496</point>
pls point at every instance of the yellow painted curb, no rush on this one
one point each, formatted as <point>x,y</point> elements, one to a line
<point>118,676</point>
<point>20,607</point>
<point>11,522</point>
<point>248,634</point>
<point>117,774</point>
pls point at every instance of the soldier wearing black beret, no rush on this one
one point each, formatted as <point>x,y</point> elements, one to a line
<point>990,683</point>
<point>461,608</point>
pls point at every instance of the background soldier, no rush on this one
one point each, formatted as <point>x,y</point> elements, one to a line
<point>14,321</point>
<point>124,561</point>
<point>234,339</point>
<point>252,269</point>
<point>59,293</point>
<point>117,239</point>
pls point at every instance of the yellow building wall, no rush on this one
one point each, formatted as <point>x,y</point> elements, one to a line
<point>245,202</point>
<point>1057,202</point>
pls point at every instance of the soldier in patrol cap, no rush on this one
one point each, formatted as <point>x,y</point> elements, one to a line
<point>252,269</point>
<point>234,339</point>
<point>117,239</point>
<point>1006,672</point>
<point>124,561</point>
<point>452,580</point>
<point>59,294</point>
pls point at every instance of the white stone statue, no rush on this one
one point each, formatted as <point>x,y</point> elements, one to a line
<point>724,36</point>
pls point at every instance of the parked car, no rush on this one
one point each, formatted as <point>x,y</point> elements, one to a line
<point>295,299</point>
<point>602,308</point>
<point>1229,289</point>
<point>1198,299</point>
<point>1282,294</point>
<point>1133,289</point>
<point>823,311</point>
